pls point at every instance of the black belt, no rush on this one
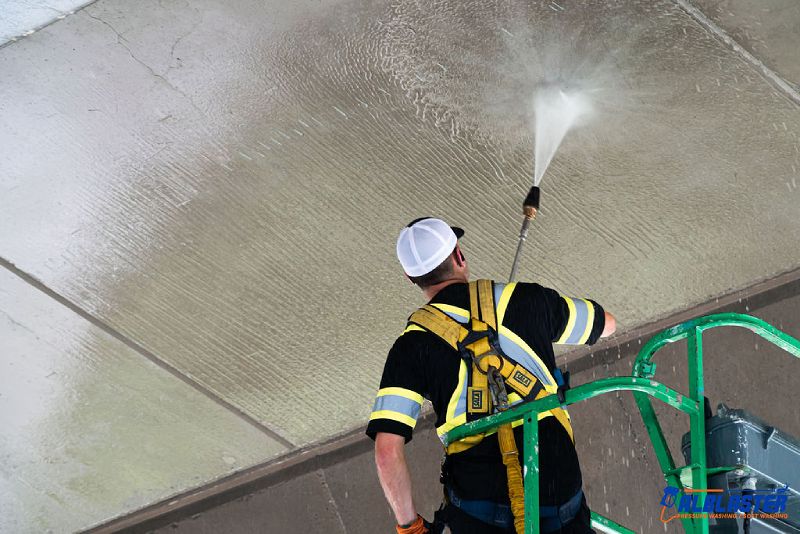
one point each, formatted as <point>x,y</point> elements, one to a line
<point>552,518</point>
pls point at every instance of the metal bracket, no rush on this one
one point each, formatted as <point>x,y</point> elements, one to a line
<point>647,370</point>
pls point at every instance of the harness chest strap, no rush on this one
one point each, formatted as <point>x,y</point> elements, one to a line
<point>458,337</point>
<point>483,320</point>
<point>455,334</point>
<point>487,355</point>
<point>516,376</point>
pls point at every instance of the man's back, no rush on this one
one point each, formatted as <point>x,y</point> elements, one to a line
<point>436,358</point>
<point>421,363</point>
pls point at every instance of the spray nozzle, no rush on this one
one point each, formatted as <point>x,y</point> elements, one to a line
<point>530,206</point>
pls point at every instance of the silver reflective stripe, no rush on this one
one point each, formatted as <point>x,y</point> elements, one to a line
<point>461,407</point>
<point>498,290</point>
<point>511,349</point>
<point>396,403</point>
<point>456,317</point>
<point>519,355</point>
<point>516,352</point>
<point>581,320</point>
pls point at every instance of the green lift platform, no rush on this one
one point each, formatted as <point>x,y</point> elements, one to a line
<point>692,477</point>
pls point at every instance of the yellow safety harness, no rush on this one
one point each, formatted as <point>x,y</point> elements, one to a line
<point>480,337</point>
<point>479,342</point>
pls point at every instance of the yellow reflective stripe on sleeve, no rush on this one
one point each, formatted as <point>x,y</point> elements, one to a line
<point>570,322</point>
<point>514,338</point>
<point>402,392</point>
<point>412,327</point>
<point>394,416</point>
<point>455,310</point>
<point>580,322</point>
<point>589,322</point>
<point>505,296</point>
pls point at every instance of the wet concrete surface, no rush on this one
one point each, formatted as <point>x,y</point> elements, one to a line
<point>621,475</point>
<point>91,429</point>
<point>21,18</point>
<point>768,30</point>
<point>741,370</point>
<point>304,504</point>
<point>222,183</point>
<point>343,498</point>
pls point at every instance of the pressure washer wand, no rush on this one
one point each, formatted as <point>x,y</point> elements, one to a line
<point>529,209</point>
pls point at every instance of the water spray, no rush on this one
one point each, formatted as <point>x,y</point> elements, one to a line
<point>556,111</point>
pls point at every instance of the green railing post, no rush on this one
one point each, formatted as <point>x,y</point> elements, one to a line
<point>643,387</point>
<point>698,424</point>
<point>607,525</point>
<point>530,479</point>
<point>660,446</point>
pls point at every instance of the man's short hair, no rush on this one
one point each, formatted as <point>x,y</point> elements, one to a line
<point>441,273</point>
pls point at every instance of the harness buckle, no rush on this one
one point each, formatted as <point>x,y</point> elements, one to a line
<point>497,388</point>
<point>473,336</point>
<point>562,381</point>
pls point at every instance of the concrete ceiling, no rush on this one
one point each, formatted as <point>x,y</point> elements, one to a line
<point>198,207</point>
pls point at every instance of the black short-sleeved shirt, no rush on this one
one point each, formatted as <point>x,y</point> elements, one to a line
<point>422,366</point>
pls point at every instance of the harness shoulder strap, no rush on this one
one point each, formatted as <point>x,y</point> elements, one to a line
<point>439,323</point>
<point>486,302</point>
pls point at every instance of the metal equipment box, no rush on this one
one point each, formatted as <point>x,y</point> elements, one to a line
<point>763,459</point>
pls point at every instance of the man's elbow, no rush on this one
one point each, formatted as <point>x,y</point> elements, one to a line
<point>388,449</point>
<point>610,326</point>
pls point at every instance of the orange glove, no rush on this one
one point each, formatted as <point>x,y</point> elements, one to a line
<point>419,526</point>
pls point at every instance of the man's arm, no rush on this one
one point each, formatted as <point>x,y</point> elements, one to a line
<point>570,321</point>
<point>610,326</point>
<point>390,459</point>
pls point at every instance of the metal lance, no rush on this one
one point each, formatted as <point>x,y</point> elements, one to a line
<point>529,209</point>
<point>505,433</point>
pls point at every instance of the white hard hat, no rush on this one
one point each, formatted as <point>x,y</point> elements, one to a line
<point>425,243</point>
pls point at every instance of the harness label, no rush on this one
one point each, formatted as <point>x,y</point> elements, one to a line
<point>521,380</point>
<point>478,402</point>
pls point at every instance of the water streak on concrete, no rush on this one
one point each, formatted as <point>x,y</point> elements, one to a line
<point>91,429</point>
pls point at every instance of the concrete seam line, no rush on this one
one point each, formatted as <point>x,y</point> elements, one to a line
<point>139,349</point>
<point>767,72</point>
<point>288,466</point>
<point>350,443</point>
<point>324,482</point>
<point>64,15</point>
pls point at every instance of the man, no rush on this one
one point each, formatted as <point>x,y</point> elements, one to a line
<point>421,366</point>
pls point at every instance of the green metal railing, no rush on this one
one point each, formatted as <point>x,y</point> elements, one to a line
<point>643,387</point>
